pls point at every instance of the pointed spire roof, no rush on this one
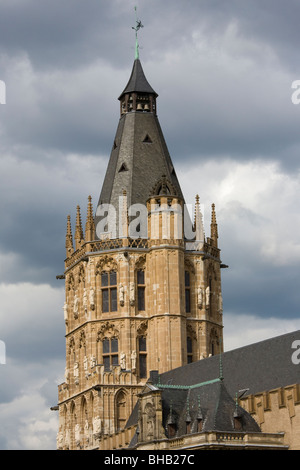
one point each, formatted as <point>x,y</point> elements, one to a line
<point>138,82</point>
<point>139,158</point>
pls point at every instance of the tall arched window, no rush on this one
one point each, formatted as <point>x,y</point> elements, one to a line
<point>109,291</point>
<point>121,414</point>
<point>110,348</point>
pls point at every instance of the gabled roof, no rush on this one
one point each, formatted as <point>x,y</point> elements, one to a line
<point>209,402</point>
<point>256,368</point>
<point>137,81</point>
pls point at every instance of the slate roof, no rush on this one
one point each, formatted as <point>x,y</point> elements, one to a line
<point>259,367</point>
<point>255,368</point>
<point>209,402</point>
<point>137,81</point>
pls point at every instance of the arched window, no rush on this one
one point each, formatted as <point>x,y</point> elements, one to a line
<point>110,356</point>
<point>141,289</point>
<point>109,291</point>
<point>142,345</point>
<point>121,414</point>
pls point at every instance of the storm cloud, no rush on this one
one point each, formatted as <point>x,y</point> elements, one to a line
<point>224,74</point>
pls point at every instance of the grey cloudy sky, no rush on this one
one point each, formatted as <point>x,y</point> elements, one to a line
<point>223,71</point>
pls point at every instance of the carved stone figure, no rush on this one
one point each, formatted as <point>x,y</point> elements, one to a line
<point>220,303</point>
<point>207,294</point>
<point>123,360</point>
<point>96,427</point>
<point>85,301</point>
<point>76,369</point>
<point>121,295</point>
<point>93,361</point>
<point>200,297</point>
<point>65,309</point>
<point>133,360</point>
<point>66,375</point>
<point>76,306</point>
<point>132,293</point>
<point>92,298</point>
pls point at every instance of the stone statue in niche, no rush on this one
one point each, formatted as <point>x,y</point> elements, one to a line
<point>97,427</point>
<point>85,301</point>
<point>76,372</point>
<point>200,297</point>
<point>66,375</point>
<point>121,295</point>
<point>132,293</point>
<point>65,309</point>
<point>92,298</point>
<point>93,361</point>
<point>220,303</point>
<point>133,360</point>
<point>207,296</point>
<point>76,306</point>
<point>123,361</point>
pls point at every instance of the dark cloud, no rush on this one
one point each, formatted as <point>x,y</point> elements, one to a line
<point>223,71</point>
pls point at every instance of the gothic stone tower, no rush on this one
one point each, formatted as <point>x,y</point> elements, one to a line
<point>141,294</point>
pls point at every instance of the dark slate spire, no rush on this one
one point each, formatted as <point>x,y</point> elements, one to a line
<point>139,163</point>
<point>138,83</point>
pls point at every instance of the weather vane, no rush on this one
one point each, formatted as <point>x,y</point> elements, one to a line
<point>137,28</point>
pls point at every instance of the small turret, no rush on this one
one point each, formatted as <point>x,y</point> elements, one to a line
<point>198,221</point>
<point>78,230</point>
<point>90,224</point>
<point>214,227</point>
<point>69,238</point>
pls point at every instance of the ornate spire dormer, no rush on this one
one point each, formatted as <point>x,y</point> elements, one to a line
<point>214,226</point>
<point>78,230</point>
<point>90,224</point>
<point>69,238</point>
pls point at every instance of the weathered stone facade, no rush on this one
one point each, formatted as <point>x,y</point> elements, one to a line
<point>134,304</point>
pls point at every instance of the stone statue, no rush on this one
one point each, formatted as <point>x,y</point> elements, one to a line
<point>97,427</point>
<point>65,309</point>
<point>92,298</point>
<point>132,293</point>
<point>76,369</point>
<point>123,360</point>
<point>85,301</point>
<point>93,361</point>
<point>200,297</point>
<point>66,375</point>
<point>133,360</point>
<point>207,293</point>
<point>121,295</point>
<point>76,305</point>
<point>220,302</point>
